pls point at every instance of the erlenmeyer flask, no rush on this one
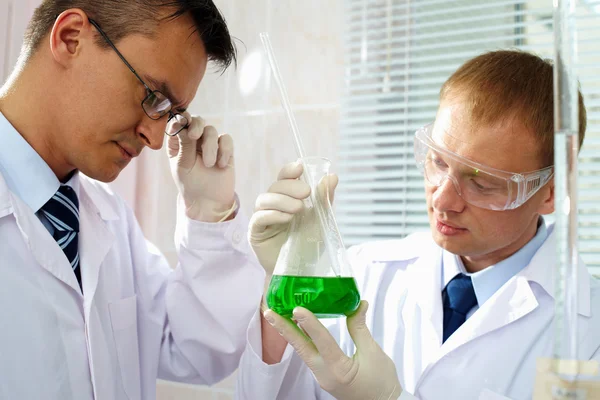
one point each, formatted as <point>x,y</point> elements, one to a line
<point>313,270</point>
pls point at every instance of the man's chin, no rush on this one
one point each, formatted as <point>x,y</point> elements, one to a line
<point>108,179</point>
<point>105,175</point>
<point>452,244</point>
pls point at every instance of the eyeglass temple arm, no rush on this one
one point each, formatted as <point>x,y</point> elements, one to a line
<point>110,43</point>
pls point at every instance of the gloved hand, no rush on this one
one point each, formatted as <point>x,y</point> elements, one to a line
<point>275,209</point>
<point>369,375</point>
<point>203,169</point>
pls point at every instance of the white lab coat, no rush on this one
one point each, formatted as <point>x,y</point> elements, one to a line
<point>492,356</point>
<point>138,320</point>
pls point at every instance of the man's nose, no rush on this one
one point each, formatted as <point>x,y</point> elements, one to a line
<point>446,197</point>
<point>152,132</point>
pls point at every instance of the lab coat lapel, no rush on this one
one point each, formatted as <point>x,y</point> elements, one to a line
<point>95,238</point>
<point>97,212</point>
<point>511,302</point>
<point>95,241</point>
<point>514,300</point>
<point>428,294</point>
<point>43,247</point>
<point>542,270</point>
<point>423,314</point>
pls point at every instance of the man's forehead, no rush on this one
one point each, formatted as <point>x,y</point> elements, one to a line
<point>502,145</point>
<point>180,59</point>
<point>451,129</point>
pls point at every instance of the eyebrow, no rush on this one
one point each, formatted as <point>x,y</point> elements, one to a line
<point>469,172</point>
<point>162,87</point>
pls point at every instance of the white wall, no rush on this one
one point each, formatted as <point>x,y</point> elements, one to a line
<point>14,15</point>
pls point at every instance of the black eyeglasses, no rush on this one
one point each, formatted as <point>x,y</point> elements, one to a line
<point>156,105</point>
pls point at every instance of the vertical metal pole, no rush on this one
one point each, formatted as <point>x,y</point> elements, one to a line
<point>566,145</point>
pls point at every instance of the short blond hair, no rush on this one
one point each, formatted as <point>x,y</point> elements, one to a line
<point>506,84</point>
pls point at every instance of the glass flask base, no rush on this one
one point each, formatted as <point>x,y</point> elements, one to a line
<point>326,297</point>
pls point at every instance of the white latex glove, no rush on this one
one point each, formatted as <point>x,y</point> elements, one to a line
<point>369,375</point>
<point>275,209</point>
<point>203,169</point>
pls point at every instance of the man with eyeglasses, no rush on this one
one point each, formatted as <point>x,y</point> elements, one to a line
<point>90,310</point>
<point>460,312</point>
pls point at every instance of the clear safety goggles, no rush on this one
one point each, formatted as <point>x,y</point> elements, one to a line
<point>476,183</point>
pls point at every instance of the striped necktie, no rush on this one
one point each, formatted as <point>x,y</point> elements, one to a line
<point>62,211</point>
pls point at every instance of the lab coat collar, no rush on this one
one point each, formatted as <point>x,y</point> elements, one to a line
<point>514,300</point>
<point>410,247</point>
<point>82,185</point>
<point>26,174</point>
<point>95,237</point>
<point>542,270</point>
<point>99,202</point>
<point>29,183</point>
<point>50,257</point>
<point>487,281</point>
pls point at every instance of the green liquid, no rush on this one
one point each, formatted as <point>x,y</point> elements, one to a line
<point>326,297</point>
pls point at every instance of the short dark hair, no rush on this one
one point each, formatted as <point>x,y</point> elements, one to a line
<point>511,83</point>
<point>120,18</point>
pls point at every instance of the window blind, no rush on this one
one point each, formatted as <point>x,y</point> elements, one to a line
<point>398,54</point>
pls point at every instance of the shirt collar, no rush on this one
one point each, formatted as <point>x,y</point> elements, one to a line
<point>25,172</point>
<point>487,281</point>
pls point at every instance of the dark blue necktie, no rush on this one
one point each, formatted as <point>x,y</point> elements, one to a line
<point>459,298</point>
<point>62,211</point>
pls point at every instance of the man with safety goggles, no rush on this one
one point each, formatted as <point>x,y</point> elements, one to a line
<point>478,184</point>
<point>465,310</point>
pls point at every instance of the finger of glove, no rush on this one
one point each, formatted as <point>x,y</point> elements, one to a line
<point>291,171</point>
<point>279,202</point>
<point>321,337</point>
<point>326,188</point>
<point>209,146</point>
<point>294,336</point>
<point>225,155</point>
<point>357,327</point>
<point>291,187</point>
<point>188,142</point>
<point>173,143</point>
<point>261,220</point>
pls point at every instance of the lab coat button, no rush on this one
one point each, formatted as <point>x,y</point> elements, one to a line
<point>237,237</point>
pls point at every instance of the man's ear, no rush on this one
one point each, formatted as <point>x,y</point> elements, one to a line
<point>547,205</point>
<point>69,31</point>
